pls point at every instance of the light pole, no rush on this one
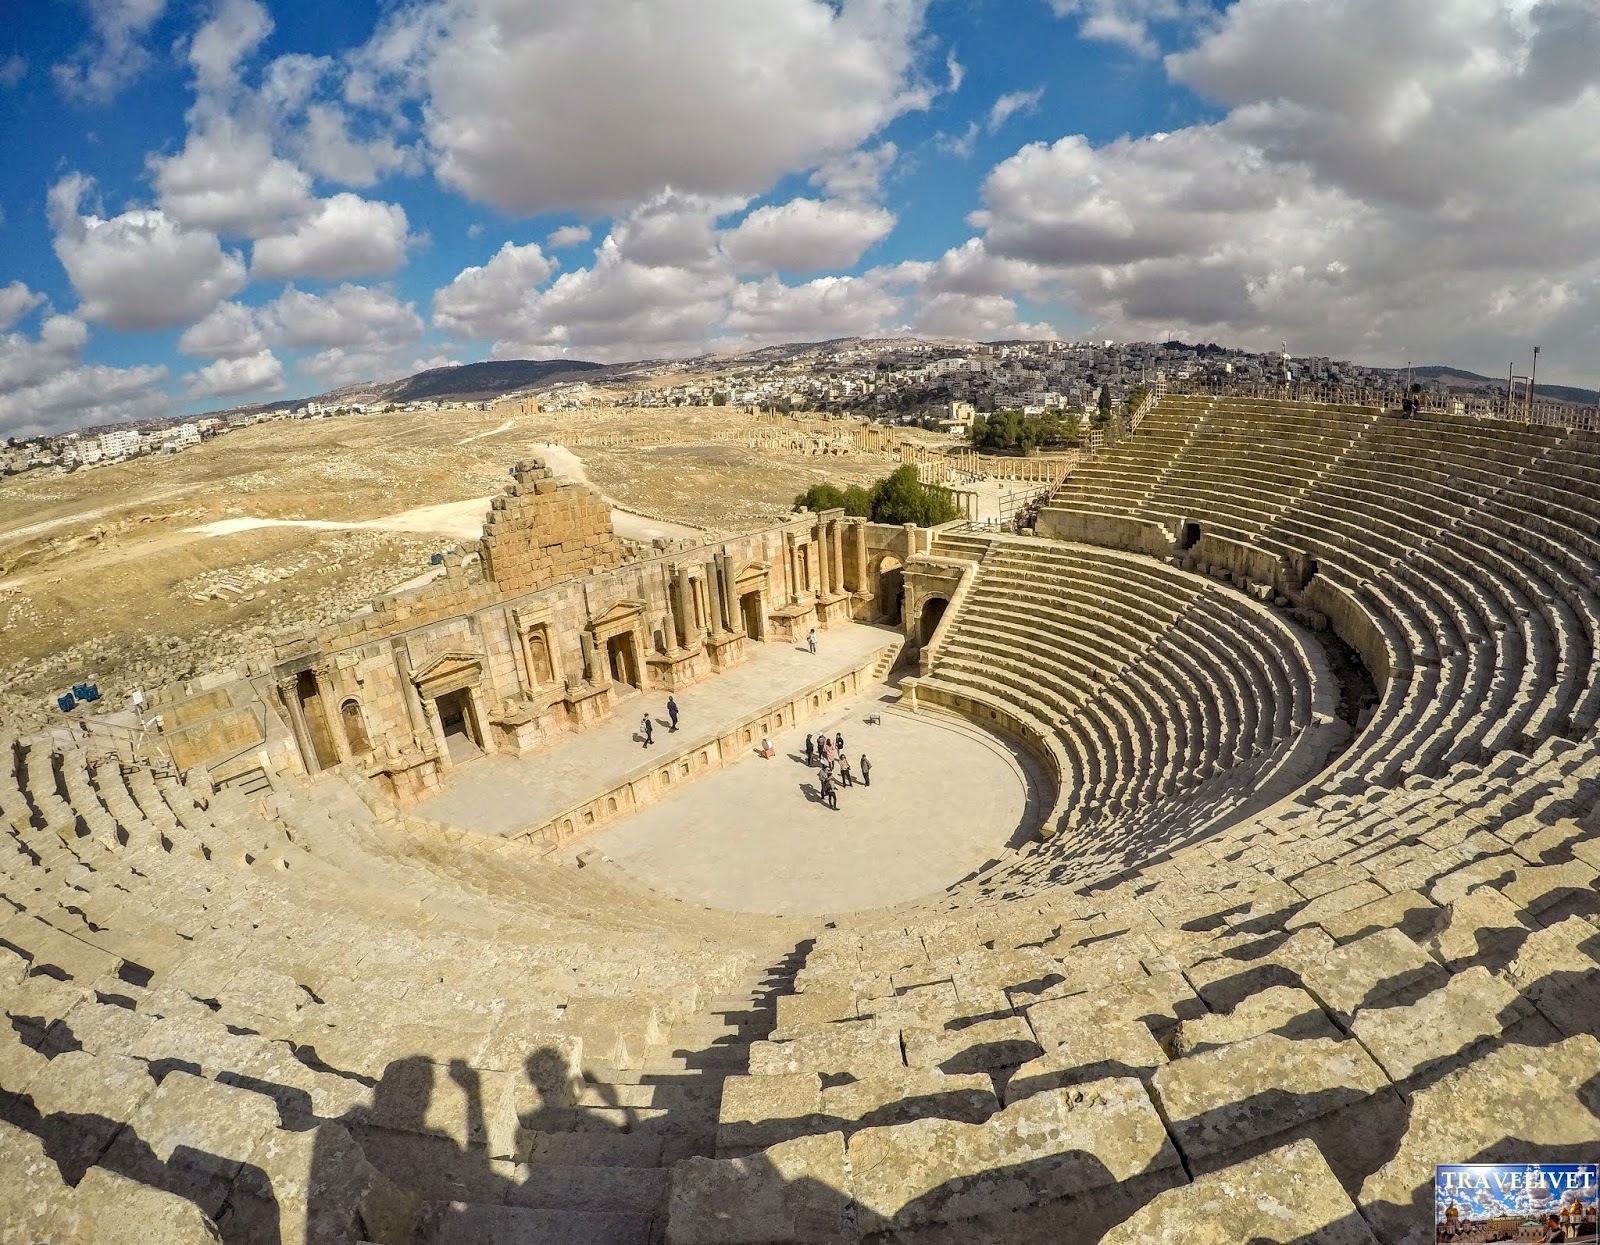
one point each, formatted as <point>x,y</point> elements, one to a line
<point>1533,379</point>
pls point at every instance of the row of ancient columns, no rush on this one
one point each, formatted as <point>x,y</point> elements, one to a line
<point>702,604</point>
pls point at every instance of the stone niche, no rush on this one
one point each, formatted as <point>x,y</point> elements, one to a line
<point>541,532</point>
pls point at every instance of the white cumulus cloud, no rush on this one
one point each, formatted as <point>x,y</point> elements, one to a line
<point>345,236</point>
<point>228,378</point>
<point>229,331</point>
<point>140,269</point>
<point>1421,171</point>
<point>16,301</point>
<point>493,300</point>
<point>45,386</point>
<point>567,235</point>
<point>114,56</point>
<point>546,106</point>
<point>227,179</point>
<point>805,235</point>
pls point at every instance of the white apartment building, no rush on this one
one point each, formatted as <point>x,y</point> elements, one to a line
<point>120,444</point>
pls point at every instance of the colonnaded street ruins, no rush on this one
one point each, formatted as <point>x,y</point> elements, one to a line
<point>524,825</point>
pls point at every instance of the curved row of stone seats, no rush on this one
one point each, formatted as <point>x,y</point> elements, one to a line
<point>1343,991</point>
<point>1120,662</point>
<point>1114,484</point>
<point>1461,546</point>
<point>521,1056</point>
<point>1249,461</point>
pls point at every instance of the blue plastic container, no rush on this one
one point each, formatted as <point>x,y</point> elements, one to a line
<point>90,692</point>
<point>65,703</point>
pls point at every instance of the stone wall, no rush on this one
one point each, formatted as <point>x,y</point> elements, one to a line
<point>541,532</point>
<point>554,627</point>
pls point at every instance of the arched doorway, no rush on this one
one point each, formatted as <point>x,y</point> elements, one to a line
<point>932,612</point>
<point>355,729</point>
<point>891,590</point>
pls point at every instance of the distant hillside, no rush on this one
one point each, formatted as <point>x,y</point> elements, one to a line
<point>467,382</point>
<point>479,381</point>
<point>1456,378</point>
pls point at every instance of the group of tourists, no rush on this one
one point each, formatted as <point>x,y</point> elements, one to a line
<point>833,765</point>
<point>647,728</point>
<point>826,755</point>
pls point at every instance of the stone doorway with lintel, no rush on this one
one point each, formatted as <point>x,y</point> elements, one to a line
<point>751,590</point>
<point>619,644</point>
<point>449,687</point>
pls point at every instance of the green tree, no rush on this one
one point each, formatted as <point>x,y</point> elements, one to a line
<point>1103,410</point>
<point>902,498</point>
<point>1135,397</point>
<point>820,497</point>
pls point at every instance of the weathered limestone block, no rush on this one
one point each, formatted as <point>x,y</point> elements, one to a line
<point>979,1047</point>
<point>19,1065</point>
<point>1051,1147</point>
<point>89,1097</point>
<point>1364,972</point>
<point>1557,971</point>
<point>1514,1105</point>
<point>1468,1008</point>
<point>862,1049</point>
<point>1284,1010</point>
<point>1285,1197</point>
<point>1552,888</point>
<point>31,1187</point>
<point>794,1192</point>
<point>909,1095</point>
<point>817,1005</point>
<point>1238,1095</point>
<point>930,1006</point>
<point>760,1111</point>
<point>109,1209</point>
<point>1487,871</point>
<point>1086,1053</point>
<point>1227,980</point>
<point>1409,911</point>
<point>1335,904</point>
<point>1479,928</point>
<point>1158,1000</point>
<point>192,1137</point>
<point>314,1187</point>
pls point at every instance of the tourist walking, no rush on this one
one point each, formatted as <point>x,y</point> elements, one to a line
<point>866,771</point>
<point>672,712</point>
<point>844,772</point>
<point>811,641</point>
<point>811,751</point>
<point>830,796</point>
<point>648,729</point>
<point>838,743</point>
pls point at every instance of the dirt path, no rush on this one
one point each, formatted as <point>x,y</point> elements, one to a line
<point>463,520</point>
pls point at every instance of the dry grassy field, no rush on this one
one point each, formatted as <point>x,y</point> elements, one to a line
<point>101,579</point>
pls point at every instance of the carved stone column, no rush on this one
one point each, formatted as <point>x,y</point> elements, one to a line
<point>416,713</point>
<point>712,575</point>
<point>330,711</point>
<point>836,544</point>
<point>289,693</point>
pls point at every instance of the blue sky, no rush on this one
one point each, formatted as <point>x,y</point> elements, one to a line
<point>217,201</point>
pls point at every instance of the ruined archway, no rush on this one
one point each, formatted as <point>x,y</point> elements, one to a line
<point>932,613</point>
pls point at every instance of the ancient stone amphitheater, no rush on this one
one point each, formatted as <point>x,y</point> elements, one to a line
<point>1313,909</point>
